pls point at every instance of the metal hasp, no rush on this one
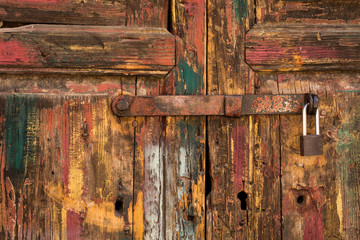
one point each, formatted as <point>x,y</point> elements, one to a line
<point>311,145</point>
<point>208,105</point>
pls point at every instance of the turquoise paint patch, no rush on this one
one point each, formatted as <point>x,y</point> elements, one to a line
<point>240,8</point>
<point>191,82</point>
<point>17,109</point>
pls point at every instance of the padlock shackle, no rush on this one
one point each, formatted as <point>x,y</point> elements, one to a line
<point>304,117</point>
<point>317,122</point>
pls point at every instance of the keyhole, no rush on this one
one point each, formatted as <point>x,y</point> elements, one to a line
<point>300,200</point>
<point>242,196</point>
<point>118,206</point>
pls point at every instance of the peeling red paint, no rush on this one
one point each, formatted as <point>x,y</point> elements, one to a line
<point>111,87</point>
<point>313,227</point>
<point>73,225</point>
<point>238,136</point>
<point>65,135</point>
<point>15,53</point>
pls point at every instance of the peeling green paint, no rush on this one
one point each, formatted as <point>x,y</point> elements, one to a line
<point>190,81</point>
<point>348,148</point>
<point>21,124</point>
<point>240,8</point>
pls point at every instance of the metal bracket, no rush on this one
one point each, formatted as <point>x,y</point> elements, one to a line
<point>212,105</point>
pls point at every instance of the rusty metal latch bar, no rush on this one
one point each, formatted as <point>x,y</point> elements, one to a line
<point>211,105</point>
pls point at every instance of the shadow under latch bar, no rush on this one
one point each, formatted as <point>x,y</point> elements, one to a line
<point>212,105</point>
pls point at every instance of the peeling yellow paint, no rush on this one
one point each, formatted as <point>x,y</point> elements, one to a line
<point>100,130</point>
<point>63,224</point>
<point>76,153</point>
<point>131,66</point>
<point>55,224</point>
<point>198,204</point>
<point>87,48</point>
<point>339,207</point>
<point>139,217</point>
<point>56,192</point>
<point>103,216</point>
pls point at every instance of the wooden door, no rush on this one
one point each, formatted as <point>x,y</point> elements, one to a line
<point>261,188</point>
<point>71,169</point>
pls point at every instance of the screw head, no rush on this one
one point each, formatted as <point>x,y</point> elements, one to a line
<point>122,105</point>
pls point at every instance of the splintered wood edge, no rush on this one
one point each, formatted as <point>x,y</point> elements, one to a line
<point>87,50</point>
<point>283,48</point>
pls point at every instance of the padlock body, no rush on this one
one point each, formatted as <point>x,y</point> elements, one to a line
<point>311,145</point>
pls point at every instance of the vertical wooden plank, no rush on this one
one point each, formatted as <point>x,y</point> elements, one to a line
<point>264,212</point>
<point>348,149</point>
<point>148,188</point>
<point>253,163</point>
<point>185,137</point>
<point>149,193</point>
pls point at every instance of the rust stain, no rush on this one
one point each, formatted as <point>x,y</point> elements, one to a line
<point>275,104</point>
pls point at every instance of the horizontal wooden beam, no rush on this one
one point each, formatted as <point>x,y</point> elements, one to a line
<point>64,12</point>
<point>195,105</point>
<point>85,49</point>
<point>302,47</point>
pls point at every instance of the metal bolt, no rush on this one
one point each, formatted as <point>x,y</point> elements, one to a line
<point>229,48</point>
<point>122,105</point>
<point>135,123</point>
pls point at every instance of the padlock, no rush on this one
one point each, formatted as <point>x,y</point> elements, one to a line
<point>311,145</point>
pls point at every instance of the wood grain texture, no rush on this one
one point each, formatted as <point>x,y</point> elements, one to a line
<point>61,170</point>
<point>243,152</point>
<point>104,12</point>
<point>81,49</point>
<point>185,137</point>
<point>227,171</point>
<point>145,13</point>
<point>308,11</point>
<point>327,184</point>
<point>302,47</point>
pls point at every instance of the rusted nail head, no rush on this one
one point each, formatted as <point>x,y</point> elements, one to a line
<point>135,123</point>
<point>122,105</point>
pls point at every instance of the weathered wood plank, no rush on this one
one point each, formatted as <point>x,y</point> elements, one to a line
<point>145,13</point>
<point>228,138</point>
<point>149,194</point>
<point>301,47</point>
<point>308,11</point>
<point>320,193</point>
<point>185,137</point>
<point>264,163</point>
<point>67,83</point>
<point>103,12</point>
<point>82,49</point>
<point>61,169</point>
